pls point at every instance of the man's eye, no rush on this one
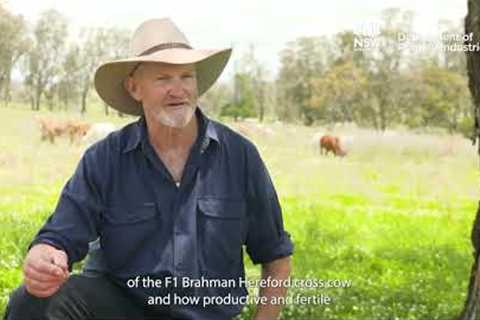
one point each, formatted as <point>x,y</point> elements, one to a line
<point>187,76</point>
<point>161,78</point>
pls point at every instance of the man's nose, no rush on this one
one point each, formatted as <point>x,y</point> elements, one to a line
<point>176,87</point>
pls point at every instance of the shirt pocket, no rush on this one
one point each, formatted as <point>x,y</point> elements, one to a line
<point>127,238</point>
<point>221,224</point>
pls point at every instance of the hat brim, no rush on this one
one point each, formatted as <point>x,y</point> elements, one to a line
<point>109,77</point>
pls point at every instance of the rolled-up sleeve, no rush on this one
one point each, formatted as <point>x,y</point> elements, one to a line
<point>75,221</point>
<point>267,240</point>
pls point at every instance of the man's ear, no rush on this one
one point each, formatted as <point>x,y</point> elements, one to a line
<point>132,87</point>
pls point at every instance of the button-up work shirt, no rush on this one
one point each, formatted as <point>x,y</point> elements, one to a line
<point>123,196</point>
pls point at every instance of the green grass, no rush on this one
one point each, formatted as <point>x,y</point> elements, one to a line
<point>394,216</point>
<point>402,266</point>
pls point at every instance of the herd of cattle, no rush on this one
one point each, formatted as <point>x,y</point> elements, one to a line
<point>82,132</point>
<point>75,130</point>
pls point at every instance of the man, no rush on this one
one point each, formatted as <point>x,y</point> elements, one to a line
<point>172,196</point>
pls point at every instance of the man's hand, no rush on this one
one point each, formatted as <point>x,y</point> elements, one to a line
<point>45,270</point>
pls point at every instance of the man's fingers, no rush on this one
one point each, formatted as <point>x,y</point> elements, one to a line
<point>60,260</point>
<point>40,285</point>
<point>45,270</point>
<point>32,273</point>
<point>47,267</point>
<point>42,293</point>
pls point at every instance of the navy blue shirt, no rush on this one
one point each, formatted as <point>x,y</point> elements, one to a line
<point>123,196</point>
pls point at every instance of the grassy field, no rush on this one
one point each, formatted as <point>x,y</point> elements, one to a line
<point>393,217</point>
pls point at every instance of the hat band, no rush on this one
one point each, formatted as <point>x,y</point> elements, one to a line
<point>163,46</point>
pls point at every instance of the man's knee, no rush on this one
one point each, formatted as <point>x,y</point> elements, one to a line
<point>69,302</point>
<point>22,305</point>
<point>80,297</point>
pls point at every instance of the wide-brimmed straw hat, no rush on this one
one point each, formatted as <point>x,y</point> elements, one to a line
<point>157,40</point>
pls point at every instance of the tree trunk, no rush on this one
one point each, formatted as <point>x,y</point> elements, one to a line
<point>261,111</point>
<point>5,84</point>
<point>2,80</point>
<point>32,102</point>
<point>85,89</point>
<point>37,101</point>
<point>39,88</point>
<point>84,102</point>
<point>66,101</point>
<point>471,309</point>
<point>7,97</point>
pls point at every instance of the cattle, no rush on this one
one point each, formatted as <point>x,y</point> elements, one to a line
<point>329,143</point>
<point>77,130</point>
<point>346,142</point>
<point>97,132</point>
<point>51,129</point>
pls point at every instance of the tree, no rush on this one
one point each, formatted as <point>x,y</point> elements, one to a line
<point>345,46</point>
<point>243,104</point>
<point>250,68</point>
<point>453,60</point>
<point>444,100</point>
<point>387,63</point>
<point>216,98</point>
<point>339,93</point>
<point>42,61</point>
<point>69,85</point>
<point>471,310</point>
<point>302,61</point>
<point>97,45</point>
<point>288,95</point>
<point>13,45</point>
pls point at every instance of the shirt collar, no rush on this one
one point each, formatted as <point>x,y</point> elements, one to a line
<point>139,132</point>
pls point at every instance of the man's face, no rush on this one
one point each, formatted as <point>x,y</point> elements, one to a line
<point>167,92</point>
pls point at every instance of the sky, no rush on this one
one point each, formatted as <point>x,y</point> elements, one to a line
<point>267,24</point>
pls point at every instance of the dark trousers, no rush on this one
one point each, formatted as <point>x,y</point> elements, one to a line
<point>80,298</point>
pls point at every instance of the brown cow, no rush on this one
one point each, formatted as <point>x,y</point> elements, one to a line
<point>77,130</point>
<point>330,143</point>
<point>53,128</point>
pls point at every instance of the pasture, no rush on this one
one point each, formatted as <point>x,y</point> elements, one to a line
<point>394,216</point>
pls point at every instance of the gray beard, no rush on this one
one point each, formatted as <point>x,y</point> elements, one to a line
<point>176,118</point>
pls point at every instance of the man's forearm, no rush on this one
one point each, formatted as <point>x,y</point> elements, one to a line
<point>279,270</point>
